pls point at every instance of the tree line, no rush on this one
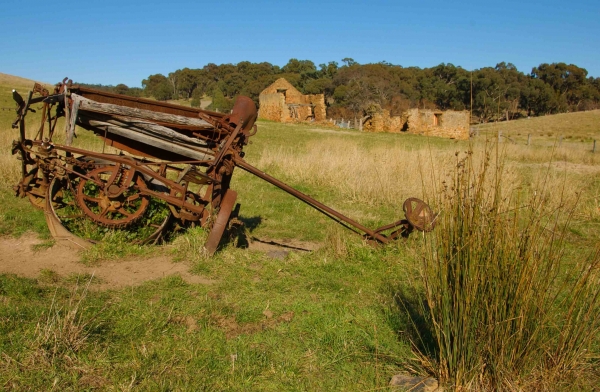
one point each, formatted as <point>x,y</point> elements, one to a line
<point>351,89</point>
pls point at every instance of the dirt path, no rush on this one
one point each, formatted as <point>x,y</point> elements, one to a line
<point>17,256</point>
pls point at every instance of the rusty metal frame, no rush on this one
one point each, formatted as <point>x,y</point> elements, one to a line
<point>224,135</point>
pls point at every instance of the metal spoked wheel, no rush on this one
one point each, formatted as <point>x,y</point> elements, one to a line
<point>117,205</point>
<point>65,212</point>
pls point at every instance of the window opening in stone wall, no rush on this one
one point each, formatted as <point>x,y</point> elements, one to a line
<point>437,119</point>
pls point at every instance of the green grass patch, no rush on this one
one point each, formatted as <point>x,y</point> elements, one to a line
<point>18,216</point>
<point>311,322</point>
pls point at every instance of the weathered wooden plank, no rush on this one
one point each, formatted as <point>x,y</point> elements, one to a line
<point>174,147</point>
<point>160,131</point>
<point>145,127</point>
<point>107,108</point>
<point>71,123</point>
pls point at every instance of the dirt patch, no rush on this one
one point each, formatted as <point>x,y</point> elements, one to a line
<point>232,329</point>
<point>188,321</point>
<point>18,256</point>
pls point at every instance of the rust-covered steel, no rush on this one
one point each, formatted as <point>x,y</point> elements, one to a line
<point>174,165</point>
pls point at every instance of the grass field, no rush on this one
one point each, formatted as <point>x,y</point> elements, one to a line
<point>578,130</point>
<point>323,320</point>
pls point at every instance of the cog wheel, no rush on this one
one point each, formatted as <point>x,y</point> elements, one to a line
<point>111,196</point>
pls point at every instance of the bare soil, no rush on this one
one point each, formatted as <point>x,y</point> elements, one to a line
<point>17,256</point>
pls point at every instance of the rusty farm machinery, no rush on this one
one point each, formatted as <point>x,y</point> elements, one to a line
<point>167,163</point>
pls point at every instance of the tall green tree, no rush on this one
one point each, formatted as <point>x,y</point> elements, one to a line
<point>158,86</point>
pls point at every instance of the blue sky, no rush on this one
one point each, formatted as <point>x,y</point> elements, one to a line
<point>111,42</point>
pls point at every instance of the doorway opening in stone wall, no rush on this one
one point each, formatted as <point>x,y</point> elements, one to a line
<point>437,119</point>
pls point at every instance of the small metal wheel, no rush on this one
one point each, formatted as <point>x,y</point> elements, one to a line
<point>419,214</point>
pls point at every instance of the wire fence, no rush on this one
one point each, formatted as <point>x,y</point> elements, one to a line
<point>343,123</point>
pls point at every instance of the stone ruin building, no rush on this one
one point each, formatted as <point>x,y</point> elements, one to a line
<point>448,124</point>
<point>282,102</point>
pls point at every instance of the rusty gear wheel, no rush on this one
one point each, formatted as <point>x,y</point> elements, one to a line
<point>112,197</point>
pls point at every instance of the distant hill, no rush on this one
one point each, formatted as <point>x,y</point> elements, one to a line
<point>204,102</point>
<point>7,105</point>
<point>578,126</point>
<point>17,81</point>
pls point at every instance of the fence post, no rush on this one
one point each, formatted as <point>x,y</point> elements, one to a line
<point>499,136</point>
<point>594,147</point>
<point>560,141</point>
<point>528,139</point>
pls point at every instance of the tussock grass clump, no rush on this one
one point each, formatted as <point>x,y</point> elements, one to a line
<point>506,309</point>
<point>63,330</point>
<point>190,245</point>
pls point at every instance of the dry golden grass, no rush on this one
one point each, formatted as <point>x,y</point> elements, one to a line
<point>382,175</point>
<point>369,176</point>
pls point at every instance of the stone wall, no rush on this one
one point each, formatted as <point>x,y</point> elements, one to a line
<point>282,102</point>
<point>318,100</point>
<point>447,124</point>
<point>271,107</point>
<point>383,122</point>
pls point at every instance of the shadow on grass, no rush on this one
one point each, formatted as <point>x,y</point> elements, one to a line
<point>239,228</point>
<point>409,315</point>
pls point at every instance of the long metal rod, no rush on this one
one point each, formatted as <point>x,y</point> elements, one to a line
<point>331,213</point>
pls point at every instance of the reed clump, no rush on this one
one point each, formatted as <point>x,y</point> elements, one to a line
<point>506,309</point>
